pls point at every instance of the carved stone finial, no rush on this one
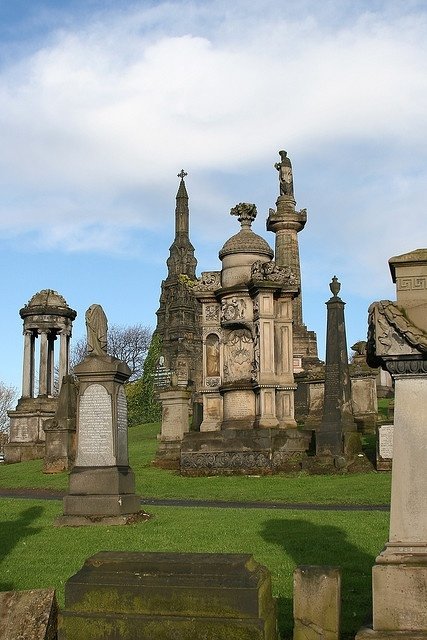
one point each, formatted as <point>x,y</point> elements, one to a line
<point>245,212</point>
<point>335,286</point>
<point>182,174</point>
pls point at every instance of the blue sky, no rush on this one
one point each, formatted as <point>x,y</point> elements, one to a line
<point>102,104</point>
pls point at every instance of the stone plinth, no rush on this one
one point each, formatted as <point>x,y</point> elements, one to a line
<point>175,423</point>
<point>317,603</point>
<point>146,596</point>
<point>101,485</point>
<point>243,451</point>
<point>27,422</point>
<point>28,614</point>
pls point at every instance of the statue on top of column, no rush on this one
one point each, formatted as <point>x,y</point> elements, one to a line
<point>96,326</point>
<point>284,167</point>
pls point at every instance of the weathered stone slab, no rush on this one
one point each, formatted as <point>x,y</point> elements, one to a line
<point>167,596</point>
<point>317,603</point>
<point>29,615</point>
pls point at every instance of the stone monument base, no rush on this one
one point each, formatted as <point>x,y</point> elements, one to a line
<point>168,454</point>
<point>146,596</point>
<point>23,451</point>
<point>96,492</point>
<point>243,452</point>
<point>108,521</point>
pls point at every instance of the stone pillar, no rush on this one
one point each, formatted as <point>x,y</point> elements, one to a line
<point>28,365</point>
<point>43,364</point>
<point>286,223</point>
<point>397,341</point>
<point>63,354</point>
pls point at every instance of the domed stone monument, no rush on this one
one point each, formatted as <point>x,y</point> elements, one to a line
<point>248,384</point>
<point>46,318</point>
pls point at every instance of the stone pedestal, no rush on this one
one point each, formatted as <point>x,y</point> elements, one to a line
<point>101,485</point>
<point>147,596</point>
<point>175,423</point>
<point>27,422</point>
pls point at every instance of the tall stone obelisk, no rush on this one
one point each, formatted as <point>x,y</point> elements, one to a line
<point>337,433</point>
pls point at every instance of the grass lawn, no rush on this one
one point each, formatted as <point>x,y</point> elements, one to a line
<point>366,488</point>
<point>35,554</point>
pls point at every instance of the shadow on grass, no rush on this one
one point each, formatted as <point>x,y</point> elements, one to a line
<point>12,532</point>
<point>313,544</point>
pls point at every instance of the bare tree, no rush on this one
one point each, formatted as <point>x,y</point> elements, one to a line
<point>8,396</point>
<point>126,343</point>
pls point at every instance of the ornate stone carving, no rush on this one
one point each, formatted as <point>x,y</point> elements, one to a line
<point>212,356</point>
<point>212,312</point>
<point>96,326</point>
<point>209,281</point>
<point>390,333</point>
<point>414,283</point>
<point>262,271</point>
<point>213,382</point>
<point>225,460</point>
<point>239,356</point>
<point>233,309</point>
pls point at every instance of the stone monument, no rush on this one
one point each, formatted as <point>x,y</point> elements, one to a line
<point>46,317</point>
<point>338,443</point>
<point>159,596</point>
<point>248,385</point>
<point>178,314</point>
<point>286,222</point>
<point>397,341</point>
<point>101,484</point>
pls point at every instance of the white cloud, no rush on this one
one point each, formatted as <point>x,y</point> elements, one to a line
<point>121,103</point>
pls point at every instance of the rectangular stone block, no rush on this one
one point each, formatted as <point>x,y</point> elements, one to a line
<point>167,596</point>
<point>28,614</point>
<point>317,603</point>
<point>400,597</point>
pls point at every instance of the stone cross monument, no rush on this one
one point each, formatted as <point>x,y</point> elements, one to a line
<point>397,341</point>
<point>101,485</point>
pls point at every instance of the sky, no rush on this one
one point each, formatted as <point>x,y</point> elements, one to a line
<point>102,103</point>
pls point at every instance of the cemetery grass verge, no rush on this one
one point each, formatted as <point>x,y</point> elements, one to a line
<point>366,489</point>
<point>35,554</point>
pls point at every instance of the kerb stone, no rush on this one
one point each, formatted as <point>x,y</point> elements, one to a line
<point>28,614</point>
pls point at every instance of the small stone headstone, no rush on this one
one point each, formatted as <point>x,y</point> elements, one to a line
<point>385,447</point>
<point>317,603</point>
<point>29,615</point>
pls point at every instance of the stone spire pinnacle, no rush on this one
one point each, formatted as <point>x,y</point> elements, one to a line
<point>182,214</point>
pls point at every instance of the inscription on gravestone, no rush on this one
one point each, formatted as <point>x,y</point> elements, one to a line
<point>95,439</point>
<point>385,437</point>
